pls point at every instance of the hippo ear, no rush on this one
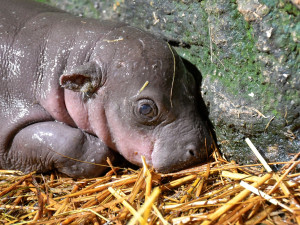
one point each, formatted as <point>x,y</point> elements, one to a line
<point>194,71</point>
<point>85,78</point>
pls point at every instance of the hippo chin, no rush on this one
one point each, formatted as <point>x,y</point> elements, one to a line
<point>75,91</point>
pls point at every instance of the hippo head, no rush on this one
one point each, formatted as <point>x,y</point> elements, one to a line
<point>140,100</point>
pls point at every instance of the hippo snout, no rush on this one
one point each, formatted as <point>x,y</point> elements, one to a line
<point>174,154</point>
<point>177,159</point>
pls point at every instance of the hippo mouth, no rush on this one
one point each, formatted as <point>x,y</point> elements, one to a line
<point>170,169</point>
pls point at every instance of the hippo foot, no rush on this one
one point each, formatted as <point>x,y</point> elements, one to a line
<point>52,145</point>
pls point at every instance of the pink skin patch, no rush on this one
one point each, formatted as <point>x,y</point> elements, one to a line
<point>131,143</point>
<point>77,109</point>
<point>55,106</point>
<point>89,116</point>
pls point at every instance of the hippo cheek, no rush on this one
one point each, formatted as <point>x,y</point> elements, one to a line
<point>131,142</point>
<point>180,148</point>
<point>132,145</point>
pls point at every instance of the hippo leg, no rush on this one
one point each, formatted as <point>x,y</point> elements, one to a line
<point>52,145</point>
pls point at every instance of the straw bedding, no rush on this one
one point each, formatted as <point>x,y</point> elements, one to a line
<point>218,192</point>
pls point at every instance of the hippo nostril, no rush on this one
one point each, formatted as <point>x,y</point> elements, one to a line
<point>191,150</point>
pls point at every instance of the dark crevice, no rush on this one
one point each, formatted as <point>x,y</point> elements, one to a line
<point>176,43</point>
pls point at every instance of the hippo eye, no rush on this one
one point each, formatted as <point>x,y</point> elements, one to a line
<point>146,110</point>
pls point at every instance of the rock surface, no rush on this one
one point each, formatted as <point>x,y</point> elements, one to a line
<point>248,53</point>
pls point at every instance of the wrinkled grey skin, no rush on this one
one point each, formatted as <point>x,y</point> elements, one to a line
<point>71,95</point>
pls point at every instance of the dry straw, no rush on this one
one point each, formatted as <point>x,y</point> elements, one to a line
<point>218,192</point>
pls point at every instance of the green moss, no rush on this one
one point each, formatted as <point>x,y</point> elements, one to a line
<point>275,112</point>
<point>292,95</point>
<point>270,3</point>
<point>240,69</point>
<point>291,9</point>
<point>43,1</point>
